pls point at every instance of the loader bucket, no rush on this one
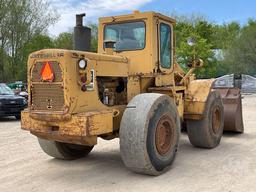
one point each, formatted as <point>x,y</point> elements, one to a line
<point>232,101</point>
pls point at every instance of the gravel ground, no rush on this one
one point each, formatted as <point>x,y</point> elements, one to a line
<point>229,167</point>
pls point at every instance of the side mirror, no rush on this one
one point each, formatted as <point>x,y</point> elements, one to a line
<point>191,41</point>
<point>196,63</point>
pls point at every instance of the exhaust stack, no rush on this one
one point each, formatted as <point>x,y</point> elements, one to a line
<point>82,35</point>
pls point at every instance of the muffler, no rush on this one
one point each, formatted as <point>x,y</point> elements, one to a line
<point>82,35</point>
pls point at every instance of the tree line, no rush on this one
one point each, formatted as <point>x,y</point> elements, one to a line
<point>20,22</point>
<point>225,48</point>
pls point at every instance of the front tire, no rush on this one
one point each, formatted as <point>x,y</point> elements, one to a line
<point>64,151</point>
<point>207,133</point>
<point>149,134</point>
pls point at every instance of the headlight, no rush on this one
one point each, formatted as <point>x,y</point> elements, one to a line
<point>82,64</point>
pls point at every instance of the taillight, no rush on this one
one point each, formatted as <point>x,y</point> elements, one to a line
<point>83,79</point>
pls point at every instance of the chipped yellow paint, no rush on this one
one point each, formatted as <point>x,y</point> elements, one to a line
<point>197,94</point>
<point>80,125</point>
<point>85,117</point>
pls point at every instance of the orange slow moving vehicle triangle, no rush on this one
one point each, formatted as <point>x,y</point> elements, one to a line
<point>47,72</point>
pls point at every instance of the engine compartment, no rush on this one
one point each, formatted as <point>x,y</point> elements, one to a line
<point>112,90</point>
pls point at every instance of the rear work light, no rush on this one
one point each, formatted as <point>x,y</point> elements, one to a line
<point>47,73</point>
<point>82,64</point>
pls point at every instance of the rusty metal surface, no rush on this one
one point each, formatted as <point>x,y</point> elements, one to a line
<point>79,126</point>
<point>56,103</point>
<point>50,116</point>
<point>216,119</point>
<point>196,97</point>
<point>47,97</point>
<point>164,135</point>
<point>232,102</point>
<point>88,141</point>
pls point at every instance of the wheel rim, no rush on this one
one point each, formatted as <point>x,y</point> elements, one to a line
<point>164,135</point>
<point>216,120</point>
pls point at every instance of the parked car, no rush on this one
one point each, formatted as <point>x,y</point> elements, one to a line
<point>19,88</point>
<point>18,85</point>
<point>24,94</point>
<point>10,104</point>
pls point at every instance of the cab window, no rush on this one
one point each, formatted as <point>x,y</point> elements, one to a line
<point>165,45</point>
<point>128,36</point>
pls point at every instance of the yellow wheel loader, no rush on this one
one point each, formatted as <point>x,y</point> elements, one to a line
<point>132,88</point>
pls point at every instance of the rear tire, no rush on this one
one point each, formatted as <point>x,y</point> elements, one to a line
<point>149,134</point>
<point>17,117</point>
<point>64,151</point>
<point>207,133</point>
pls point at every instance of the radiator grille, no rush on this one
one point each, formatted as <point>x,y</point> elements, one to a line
<point>47,96</point>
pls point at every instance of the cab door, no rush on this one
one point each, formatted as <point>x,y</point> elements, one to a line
<point>165,43</point>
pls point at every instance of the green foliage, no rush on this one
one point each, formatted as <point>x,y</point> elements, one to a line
<point>21,21</point>
<point>225,34</point>
<point>226,40</point>
<point>202,32</point>
<point>241,55</point>
<point>226,48</point>
<point>64,41</point>
<point>38,42</point>
<point>94,40</point>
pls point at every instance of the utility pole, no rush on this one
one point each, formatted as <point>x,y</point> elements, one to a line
<point>1,59</point>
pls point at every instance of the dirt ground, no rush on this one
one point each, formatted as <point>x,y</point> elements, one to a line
<point>229,167</point>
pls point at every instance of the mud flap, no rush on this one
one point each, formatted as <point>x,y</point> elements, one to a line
<point>232,101</point>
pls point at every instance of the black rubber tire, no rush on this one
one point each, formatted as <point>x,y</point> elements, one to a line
<point>201,132</point>
<point>18,117</point>
<point>64,151</point>
<point>138,133</point>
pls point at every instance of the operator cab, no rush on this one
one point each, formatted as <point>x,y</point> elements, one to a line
<point>146,39</point>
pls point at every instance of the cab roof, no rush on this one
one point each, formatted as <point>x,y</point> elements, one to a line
<point>136,15</point>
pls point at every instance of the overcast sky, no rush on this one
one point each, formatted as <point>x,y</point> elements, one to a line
<point>220,11</point>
